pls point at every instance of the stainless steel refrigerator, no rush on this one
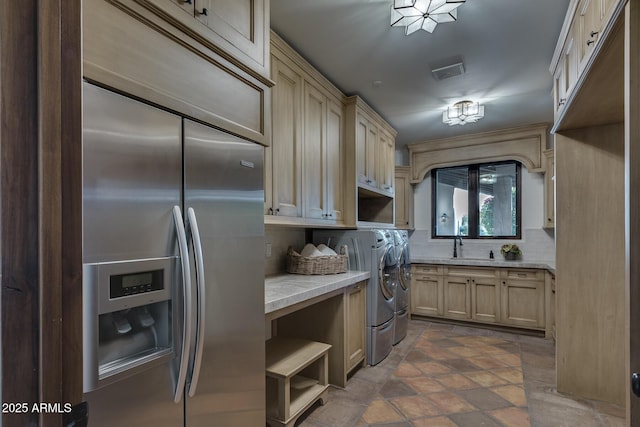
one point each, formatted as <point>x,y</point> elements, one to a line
<point>173,295</point>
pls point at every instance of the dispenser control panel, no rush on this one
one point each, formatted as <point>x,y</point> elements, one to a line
<point>121,285</point>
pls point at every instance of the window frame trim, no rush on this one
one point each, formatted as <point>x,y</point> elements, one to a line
<point>472,186</point>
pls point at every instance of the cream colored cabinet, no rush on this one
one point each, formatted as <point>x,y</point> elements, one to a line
<point>367,153</point>
<point>240,27</point>
<point>566,73</point>
<point>587,24</point>
<point>322,165</point>
<point>549,190</point>
<point>373,146</point>
<point>427,290</point>
<point>523,298</point>
<point>356,316</point>
<point>502,296</point>
<point>386,162</point>
<point>485,296</point>
<point>457,294</point>
<point>283,160</point>
<point>403,198</point>
<point>589,21</point>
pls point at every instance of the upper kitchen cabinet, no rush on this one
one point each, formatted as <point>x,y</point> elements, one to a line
<point>283,159</point>
<point>323,136</point>
<point>161,51</point>
<point>305,163</point>
<point>403,198</point>
<point>238,29</point>
<point>370,165</point>
<point>589,30</point>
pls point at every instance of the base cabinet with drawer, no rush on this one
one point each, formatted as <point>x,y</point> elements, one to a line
<point>501,296</point>
<point>427,296</point>
<point>523,298</point>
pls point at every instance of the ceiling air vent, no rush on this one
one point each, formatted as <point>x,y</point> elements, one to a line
<point>448,71</point>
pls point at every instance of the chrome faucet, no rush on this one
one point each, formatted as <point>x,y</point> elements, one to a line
<point>455,244</point>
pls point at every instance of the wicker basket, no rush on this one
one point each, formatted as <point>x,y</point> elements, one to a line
<point>326,264</point>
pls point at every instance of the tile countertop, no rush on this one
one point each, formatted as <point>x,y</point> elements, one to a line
<point>285,290</point>
<point>480,262</point>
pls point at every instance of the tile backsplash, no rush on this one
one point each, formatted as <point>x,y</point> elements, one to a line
<point>536,245</point>
<point>280,238</point>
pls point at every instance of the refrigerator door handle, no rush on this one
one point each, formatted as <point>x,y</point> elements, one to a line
<point>197,248</point>
<point>187,304</point>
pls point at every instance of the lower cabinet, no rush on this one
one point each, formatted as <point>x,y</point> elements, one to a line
<point>523,298</point>
<point>427,297</point>
<point>355,327</point>
<point>502,296</point>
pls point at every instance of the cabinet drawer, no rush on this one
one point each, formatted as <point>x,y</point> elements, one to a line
<point>472,271</point>
<point>426,269</point>
<point>522,274</point>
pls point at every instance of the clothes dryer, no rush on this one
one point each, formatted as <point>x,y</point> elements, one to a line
<point>401,309</point>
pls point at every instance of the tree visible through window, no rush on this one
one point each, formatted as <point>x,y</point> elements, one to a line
<point>477,201</point>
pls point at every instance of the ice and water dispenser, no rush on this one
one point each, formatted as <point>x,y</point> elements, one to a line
<point>127,318</point>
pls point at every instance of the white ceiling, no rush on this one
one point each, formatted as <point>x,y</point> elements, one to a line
<point>506,45</point>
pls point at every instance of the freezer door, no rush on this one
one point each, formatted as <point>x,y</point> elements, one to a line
<point>132,178</point>
<point>223,178</point>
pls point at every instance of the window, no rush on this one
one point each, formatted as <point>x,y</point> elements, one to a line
<point>477,201</point>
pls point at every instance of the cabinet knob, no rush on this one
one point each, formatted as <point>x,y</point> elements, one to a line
<point>204,12</point>
<point>594,33</point>
<point>590,42</point>
<point>562,101</point>
<point>277,211</point>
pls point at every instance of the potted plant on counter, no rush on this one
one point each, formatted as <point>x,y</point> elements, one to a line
<point>510,251</point>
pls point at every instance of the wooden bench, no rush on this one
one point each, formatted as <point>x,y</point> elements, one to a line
<point>297,373</point>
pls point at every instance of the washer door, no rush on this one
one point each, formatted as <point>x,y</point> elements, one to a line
<point>388,272</point>
<point>405,267</point>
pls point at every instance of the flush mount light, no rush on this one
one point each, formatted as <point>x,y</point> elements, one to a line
<point>423,14</point>
<point>463,112</point>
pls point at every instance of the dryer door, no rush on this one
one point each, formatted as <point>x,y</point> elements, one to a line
<point>388,272</point>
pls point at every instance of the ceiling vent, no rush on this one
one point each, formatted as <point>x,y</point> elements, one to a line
<point>448,71</point>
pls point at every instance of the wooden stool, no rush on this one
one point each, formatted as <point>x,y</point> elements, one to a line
<point>297,376</point>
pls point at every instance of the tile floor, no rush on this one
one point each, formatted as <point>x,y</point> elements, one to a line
<point>447,375</point>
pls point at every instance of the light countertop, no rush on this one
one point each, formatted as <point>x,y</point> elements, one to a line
<point>285,290</point>
<point>479,262</point>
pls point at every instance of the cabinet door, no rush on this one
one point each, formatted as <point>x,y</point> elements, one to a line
<point>589,21</point>
<point>286,141</point>
<point>386,162</point>
<point>403,197</point>
<point>549,190</point>
<point>334,160</point>
<point>187,6</point>
<point>366,150</point>
<point>371,155</point>
<point>356,325</point>
<point>427,297</point>
<point>315,139</point>
<point>523,298</point>
<point>559,88</point>
<point>485,299</point>
<point>457,297</point>
<point>203,12</point>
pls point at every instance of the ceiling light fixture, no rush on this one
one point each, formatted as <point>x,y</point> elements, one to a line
<point>423,14</point>
<point>463,112</point>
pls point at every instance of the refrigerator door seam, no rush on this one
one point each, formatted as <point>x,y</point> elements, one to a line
<point>187,304</point>
<point>199,259</point>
